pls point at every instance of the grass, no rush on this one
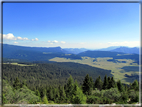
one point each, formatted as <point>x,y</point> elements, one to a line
<point>116,68</point>
<point>20,64</point>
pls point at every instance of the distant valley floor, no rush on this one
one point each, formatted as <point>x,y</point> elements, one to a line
<point>125,70</point>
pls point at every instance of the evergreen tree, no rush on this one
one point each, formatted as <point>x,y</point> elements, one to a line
<point>105,84</point>
<point>87,85</point>
<point>109,79</point>
<point>69,87</point>
<point>17,84</point>
<point>98,83</point>
<point>37,93</point>
<point>78,96</point>
<point>62,94</point>
<point>51,95</point>
<point>135,85</point>
<point>112,83</point>
<point>120,86</point>
<point>45,101</point>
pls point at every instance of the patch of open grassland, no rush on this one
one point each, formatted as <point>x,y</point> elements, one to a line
<point>116,68</point>
<point>20,64</point>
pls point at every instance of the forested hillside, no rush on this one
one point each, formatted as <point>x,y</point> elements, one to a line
<point>51,74</point>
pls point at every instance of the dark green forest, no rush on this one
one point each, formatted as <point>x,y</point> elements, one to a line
<point>41,75</point>
<point>64,83</point>
<point>98,92</point>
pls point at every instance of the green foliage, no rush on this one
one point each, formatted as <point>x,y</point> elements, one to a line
<point>45,101</point>
<point>135,85</point>
<point>120,86</point>
<point>124,97</point>
<point>51,94</point>
<point>17,84</point>
<point>69,87</point>
<point>134,96</point>
<point>94,99</point>
<point>37,93</point>
<point>4,100</point>
<point>78,96</point>
<point>98,83</point>
<point>50,74</point>
<point>27,94</point>
<point>112,83</point>
<point>112,94</point>
<point>105,83</point>
<point>87,85</point>
<point>115,92</point>
<point>8,93</point>
<point>62,94</point>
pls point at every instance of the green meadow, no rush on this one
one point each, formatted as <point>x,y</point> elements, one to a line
<point>118,69</point>
<point>20,64</point>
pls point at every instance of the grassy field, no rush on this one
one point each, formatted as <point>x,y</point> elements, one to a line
<point>117,69</point>
<point>20,64</point>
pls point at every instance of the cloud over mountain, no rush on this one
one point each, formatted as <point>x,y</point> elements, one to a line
<point>10,36</point>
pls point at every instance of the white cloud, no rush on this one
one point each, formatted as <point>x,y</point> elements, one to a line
<point>19,38</point>
<point>9,36</point>
<point>55,41</point>
<point>63,42</point>
<point>125,43</point>
<point>36,39</point>
<point>15,42</point>
<point>49,41</point>
<point>25,39</point>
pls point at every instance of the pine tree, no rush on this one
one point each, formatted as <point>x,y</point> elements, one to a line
<point>112,83</point>
<point>98,83</point>
<point>105,84</point>
<point>135,85</point>
<point>45,101</point>
<point>62,94</point>
<point>17,84</point>
<point>78,96</point>
<point>69,87</point>
<point>120,86</point>
<point>87,85</point>
<point>37,93</point>
<point>51,95</point>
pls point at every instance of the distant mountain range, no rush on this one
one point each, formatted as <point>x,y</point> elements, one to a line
<point>44,54</point>
<point>74,50</point>
<point>123,49</point>
<point>134,50</point>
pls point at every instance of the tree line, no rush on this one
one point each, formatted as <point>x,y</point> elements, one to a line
<point>99,92</point>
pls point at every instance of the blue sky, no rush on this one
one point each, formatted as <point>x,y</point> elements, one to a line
<point>71,25</point>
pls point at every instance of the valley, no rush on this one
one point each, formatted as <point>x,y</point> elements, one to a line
<point>116,68</point>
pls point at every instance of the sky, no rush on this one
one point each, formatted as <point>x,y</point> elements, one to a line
<point>71,25</point>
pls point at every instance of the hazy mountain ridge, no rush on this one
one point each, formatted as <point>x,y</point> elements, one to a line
<point>75,50</point>
<point>128,50</point>
<point>44,54</point>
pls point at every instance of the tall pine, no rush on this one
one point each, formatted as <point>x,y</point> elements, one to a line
<point>78,96</point>
<point>69,87</point>
<point>87,85</point>
<point>98,83</point>
<point>106,83</point>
